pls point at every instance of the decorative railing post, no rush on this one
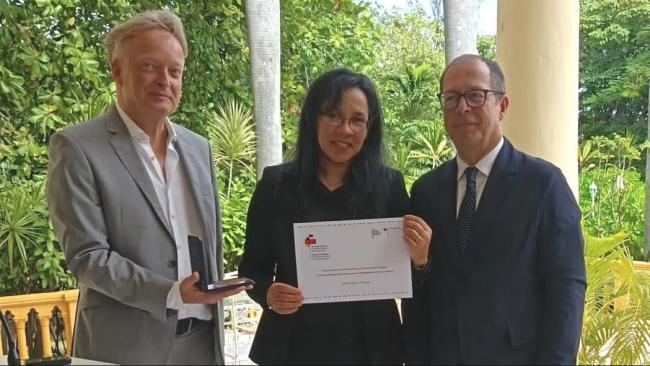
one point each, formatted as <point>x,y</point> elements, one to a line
<point>44,320</point>
<point>21,337</point>
<point>71,317</point>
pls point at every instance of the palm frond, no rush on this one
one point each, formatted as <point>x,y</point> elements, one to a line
<point>432,144</point>
<point>232,138</point>
<point>616,325</point>
<point>21,220</point>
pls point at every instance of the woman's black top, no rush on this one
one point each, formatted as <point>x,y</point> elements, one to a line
<point>362,332</point>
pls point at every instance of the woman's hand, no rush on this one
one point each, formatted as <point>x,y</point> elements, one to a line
<point>417,235</point>
<point>283,299</point>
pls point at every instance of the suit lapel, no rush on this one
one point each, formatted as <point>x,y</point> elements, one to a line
<point>188,159</point>
<point>120,140</point>
<point>497,188</point>
<point>447,198</point>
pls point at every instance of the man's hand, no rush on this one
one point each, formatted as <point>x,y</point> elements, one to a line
<point>284,299</point>
<point>192,294</point>
<point>417,235</point>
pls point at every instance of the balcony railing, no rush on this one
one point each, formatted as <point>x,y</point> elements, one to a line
<point>35,315</point>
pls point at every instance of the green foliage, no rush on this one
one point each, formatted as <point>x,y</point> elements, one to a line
<point>616,323</point>
<point>319,35</point>
<point>614,66</point>
<point>487,47</point>
<point>586,154</point>
<point>290,134</point>
<point>432,146</point>
<point>616,207</point>
<point>410,53</point>
<point>21,156</point>
<point>217,67</point>
<point>232,138</point>
<point>414,87</point>
<point>55,72</point>
<point>234,209</point>
<point>607,165</point>
<point>21,222</point>
<point>49,61</point>
<point>417,146</point>
<point>86,107</point>
<point>409,39</point>
<point>29,258</point>
<point>410,58</point>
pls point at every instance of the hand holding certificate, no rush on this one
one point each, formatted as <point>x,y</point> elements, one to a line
<point>352,260</point>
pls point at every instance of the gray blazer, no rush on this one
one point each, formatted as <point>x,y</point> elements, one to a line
<point>117,241</point>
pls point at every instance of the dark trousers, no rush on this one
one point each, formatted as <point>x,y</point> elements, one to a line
<point>327,345</point>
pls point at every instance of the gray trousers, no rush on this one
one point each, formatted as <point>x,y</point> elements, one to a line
<point>196,347</point>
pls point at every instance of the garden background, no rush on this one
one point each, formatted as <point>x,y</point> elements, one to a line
<point>53,73</point>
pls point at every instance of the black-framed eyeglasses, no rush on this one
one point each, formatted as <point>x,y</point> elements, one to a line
<point>473,98</point>
<point>335,119</point>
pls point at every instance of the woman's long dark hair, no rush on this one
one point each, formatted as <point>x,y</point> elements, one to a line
<point>367,169</point>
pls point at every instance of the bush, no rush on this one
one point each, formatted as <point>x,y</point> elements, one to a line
<point>615,208</point>
<point>234,209</point>
<point>30,259</point>
<point>619,201</point>
<point>616,325</point>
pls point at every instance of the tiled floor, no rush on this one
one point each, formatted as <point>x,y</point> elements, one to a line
<point>238,355</point>
<point>239,334</point>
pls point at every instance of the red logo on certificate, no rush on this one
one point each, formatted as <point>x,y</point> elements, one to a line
<point>310,240</point>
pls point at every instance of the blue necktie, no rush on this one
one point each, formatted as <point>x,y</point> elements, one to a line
<point>467,210</point>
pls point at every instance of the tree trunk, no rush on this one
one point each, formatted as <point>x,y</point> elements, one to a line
<point>263,19</point>
<point>647,187</point>
<point>461,27</point>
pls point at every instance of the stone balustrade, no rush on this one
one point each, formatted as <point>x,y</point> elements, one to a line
<point>50,311</point>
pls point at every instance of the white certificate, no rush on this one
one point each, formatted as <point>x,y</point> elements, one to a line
<point>352,260</point>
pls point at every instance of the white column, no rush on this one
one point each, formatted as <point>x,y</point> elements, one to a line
<point>537,47</point>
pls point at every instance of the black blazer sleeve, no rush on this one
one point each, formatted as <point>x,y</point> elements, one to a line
<point>415,311</point>
<point>560,254</point>
<point>258,261</point>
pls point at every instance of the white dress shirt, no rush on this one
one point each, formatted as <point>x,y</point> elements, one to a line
<point>175,197</point>
<point>484,167</point>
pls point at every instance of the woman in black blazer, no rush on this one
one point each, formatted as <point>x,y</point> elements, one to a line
<point>338,174</point>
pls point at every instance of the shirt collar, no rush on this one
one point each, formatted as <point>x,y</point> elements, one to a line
<point>138,134</point>
<point>484,165</point>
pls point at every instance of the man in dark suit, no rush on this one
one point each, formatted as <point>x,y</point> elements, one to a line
<point>505,282</point>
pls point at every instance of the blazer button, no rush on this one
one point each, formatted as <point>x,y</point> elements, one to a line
<point>171,264</point>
